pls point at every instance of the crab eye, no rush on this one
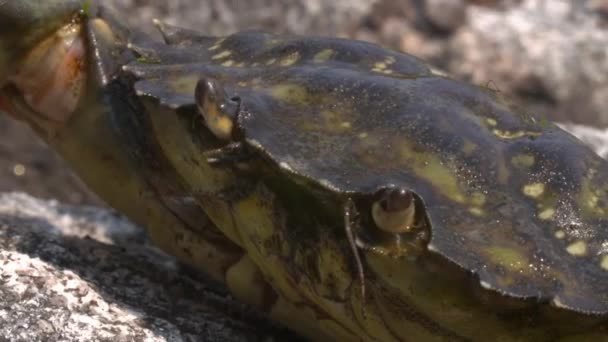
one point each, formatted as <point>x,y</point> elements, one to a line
<point>395,210</point>
<point>217,109</point>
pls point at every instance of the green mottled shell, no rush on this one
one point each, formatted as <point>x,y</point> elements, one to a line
<point>511,198</point>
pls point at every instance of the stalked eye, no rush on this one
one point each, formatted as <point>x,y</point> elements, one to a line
<point>395,210</point>
<point>218,110</point>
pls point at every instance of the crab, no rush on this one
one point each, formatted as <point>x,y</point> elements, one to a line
<point>350,191</point>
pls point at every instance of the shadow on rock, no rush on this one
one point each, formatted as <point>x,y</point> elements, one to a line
<point>55,285</point>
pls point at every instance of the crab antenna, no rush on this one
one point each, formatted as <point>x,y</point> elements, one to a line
<point>348,220</point>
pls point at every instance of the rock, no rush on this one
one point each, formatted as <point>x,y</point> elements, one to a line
<point>86,274</point>
<point>447,15</point>
<point>549,51</point>
<point>597,139</point>
<point>220,17</point>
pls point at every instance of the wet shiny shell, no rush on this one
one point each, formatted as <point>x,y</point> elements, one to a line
<point>511,198</point>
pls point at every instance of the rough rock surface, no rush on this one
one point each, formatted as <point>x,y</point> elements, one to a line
<point>219,17</point>
<point>554,53</point>
<point>85,274</point>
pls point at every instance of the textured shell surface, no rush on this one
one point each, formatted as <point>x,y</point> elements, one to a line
<point>510,197</point>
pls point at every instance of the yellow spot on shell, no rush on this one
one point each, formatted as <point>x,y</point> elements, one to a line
<point>290,59</point>
<point>491,121</point>
<point>604,262</point>
<point>534,190</point>
<point>510,258</point>
<point>432,169</point>
<point>380,65</point>
<point>242,84</point>
<point>217,45</point>
<point>514,135</point>
<point>383,71</point>
<point>271,61</point>
<point>546,214</point>
<point>363,135</point>
<point>390,60</point>
<point>291,93</point>
<point>560,234</point>
<point>223,54</point>
<point>476,211</point>
<point>323,55</point>
<point>345,124</point>
<point>577,248</point>
<point>272,42</point>
<point>523,160</point>
<point>228,63</point>
<point>589,198</point>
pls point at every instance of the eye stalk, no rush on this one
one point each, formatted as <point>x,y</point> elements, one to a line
<point>391,222</point>
<point>395,211</point>
<point>218,110</point>
<point>396,226</point>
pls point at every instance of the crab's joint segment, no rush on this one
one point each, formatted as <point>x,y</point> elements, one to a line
<point>230,155</point>
<point>218,109</point>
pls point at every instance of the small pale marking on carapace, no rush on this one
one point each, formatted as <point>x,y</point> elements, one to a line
<point>534,190</point>
<point>604,262</point>
<point>323,55</point>
<point>546,214</point>
<point>290,59</point>
<point>577,248</point>
<point>223,54</point>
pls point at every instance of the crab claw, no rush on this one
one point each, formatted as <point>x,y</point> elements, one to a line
<point>56,57</point>
<point>42,55</point>
<point>25,23</point>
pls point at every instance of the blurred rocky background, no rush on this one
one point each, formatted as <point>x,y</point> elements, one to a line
<point>551,56</point>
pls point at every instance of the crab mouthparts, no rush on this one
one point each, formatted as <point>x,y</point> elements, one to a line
<point>51,77</point>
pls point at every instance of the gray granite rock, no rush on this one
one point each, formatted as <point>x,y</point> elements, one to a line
<point>220,17</point>
<point>73,273</point>
<point>445,14</point>
<point>552,52</point>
